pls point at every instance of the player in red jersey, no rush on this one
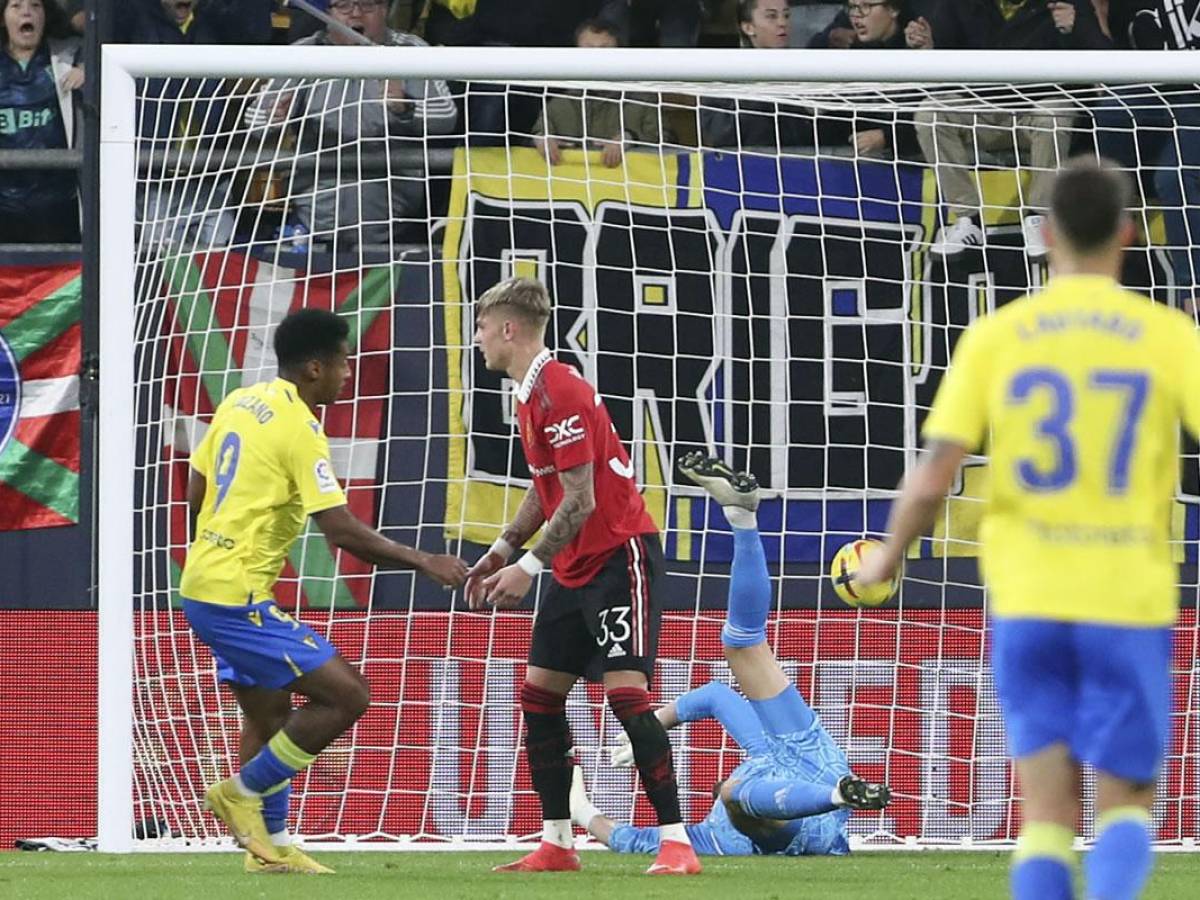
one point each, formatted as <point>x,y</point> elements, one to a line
<point>601,614</point>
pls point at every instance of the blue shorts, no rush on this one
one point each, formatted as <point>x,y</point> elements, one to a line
<point>809,756</point>
<point>1103,690</point>
<point>258,645</point>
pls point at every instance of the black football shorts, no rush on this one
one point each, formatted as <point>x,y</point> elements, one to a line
<point>610,624</point>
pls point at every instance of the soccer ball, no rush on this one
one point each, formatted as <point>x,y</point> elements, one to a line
<point>845,566</point>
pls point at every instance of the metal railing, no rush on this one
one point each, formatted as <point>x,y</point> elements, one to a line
<point>43,159</point>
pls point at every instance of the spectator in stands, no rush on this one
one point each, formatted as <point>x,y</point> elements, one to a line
<point>497,112</point>
<point>192,21</point>
<point>839,34</point>
<point>401,15</point>
<point>882,25</point>
<point>949,137</point>
<point>185,115</point>
<point>1164,150</point>
<point>39,80</point>
<point>602,120</point>
<point>724,122</point>
<point>764,24</point>
<point>877,24</point>
<point>843,34</point>
<point>529,23</point>
<point>655,23</point>
<point>367,123</point>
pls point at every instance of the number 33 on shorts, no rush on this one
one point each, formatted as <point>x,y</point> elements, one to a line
<point>614,625</point>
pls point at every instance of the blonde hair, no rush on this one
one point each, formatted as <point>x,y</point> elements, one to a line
<point>527,297</point>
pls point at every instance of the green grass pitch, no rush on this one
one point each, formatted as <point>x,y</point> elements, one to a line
<point>450,876</point>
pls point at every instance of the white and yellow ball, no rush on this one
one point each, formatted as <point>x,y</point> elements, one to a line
<point>846,563</point>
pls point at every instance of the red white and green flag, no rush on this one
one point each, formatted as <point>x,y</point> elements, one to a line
<point>39,396</point>
<point>222,310</point>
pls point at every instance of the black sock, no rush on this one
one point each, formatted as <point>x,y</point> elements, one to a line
<point>547,747</point>
<point>651,751</point>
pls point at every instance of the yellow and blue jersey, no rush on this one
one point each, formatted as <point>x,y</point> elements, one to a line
<point>267,463</point>
<point>1079,392</point>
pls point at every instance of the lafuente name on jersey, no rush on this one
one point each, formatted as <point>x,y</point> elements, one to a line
<point>257,407</point>
<point>1054,322</point>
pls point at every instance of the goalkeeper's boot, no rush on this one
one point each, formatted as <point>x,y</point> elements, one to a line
<point>242,815</point>
<point>294,861</point>
<point>860,794</point>
<point>727,487</point>
<point>546,858</point>
<point>675,858</point>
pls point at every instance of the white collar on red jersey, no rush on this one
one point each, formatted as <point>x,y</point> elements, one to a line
<point>535,369</point>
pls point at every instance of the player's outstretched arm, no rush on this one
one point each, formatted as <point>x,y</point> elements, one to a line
<point>506,588</point>
<point>347,532</point>
<point>528,520</point>
<point>922,493</point>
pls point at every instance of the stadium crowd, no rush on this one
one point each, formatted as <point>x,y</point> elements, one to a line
<point>398,125</point>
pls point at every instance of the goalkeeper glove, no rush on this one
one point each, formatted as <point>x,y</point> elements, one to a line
<point>621,756</point>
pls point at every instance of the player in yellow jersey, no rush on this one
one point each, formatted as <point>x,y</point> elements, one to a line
<point>1080,391</point>
<point>261,470</point>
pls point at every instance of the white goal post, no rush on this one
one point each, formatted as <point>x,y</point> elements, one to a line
<point>801,78</point>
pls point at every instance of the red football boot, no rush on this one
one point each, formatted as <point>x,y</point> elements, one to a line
<point>675,858</point>
<point>546,858</point>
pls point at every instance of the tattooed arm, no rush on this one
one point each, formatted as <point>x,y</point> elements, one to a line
<point>529,518</point>
<point>579,499</point>
<point>506,588</point>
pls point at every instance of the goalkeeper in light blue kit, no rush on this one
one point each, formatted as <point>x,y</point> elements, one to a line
<point>793,793</point>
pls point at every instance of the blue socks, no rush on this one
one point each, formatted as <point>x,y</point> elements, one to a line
<point>749,592</point>
<point>275,808</point>
<point>1121,859</point>
<point>1041,865</point>
<point>1041,878</point>
<point>784,798</point>
<point>275,764</point>
<point>1116,869</point>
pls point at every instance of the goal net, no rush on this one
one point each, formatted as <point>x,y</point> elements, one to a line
<point>766,271</point>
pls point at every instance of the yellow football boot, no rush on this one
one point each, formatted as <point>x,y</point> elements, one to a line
<point>294,861</point>
<point>242,815</point>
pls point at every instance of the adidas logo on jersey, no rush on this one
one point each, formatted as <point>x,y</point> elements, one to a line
<point>615,650</point>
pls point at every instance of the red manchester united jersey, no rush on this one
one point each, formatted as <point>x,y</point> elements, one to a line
<point>564,424</point>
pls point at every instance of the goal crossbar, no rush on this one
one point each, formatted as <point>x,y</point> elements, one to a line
<point>634,64</point>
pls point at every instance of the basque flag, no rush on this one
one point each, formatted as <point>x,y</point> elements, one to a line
<point>39,396</point>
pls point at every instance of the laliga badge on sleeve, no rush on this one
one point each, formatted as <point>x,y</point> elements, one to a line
<point>323,473</point>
